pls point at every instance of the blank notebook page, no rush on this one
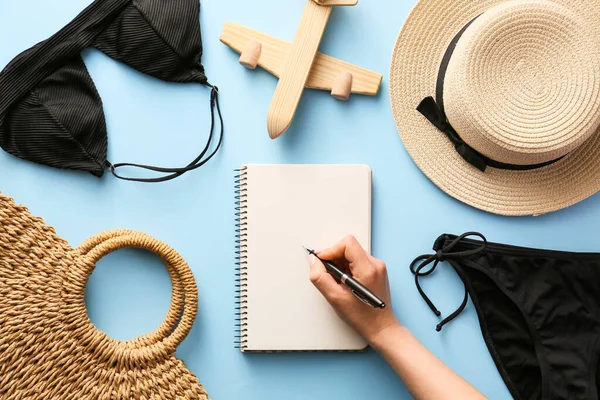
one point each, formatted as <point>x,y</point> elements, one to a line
<point>288,207</point>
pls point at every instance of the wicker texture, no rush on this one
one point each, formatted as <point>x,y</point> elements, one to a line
<point>49,349</point>
<point>522,87</point>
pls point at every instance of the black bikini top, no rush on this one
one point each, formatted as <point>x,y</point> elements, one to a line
<point>50,110</point>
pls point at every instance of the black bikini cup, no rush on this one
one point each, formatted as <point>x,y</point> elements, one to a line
<point>157,37</point>
<point>50,111</point>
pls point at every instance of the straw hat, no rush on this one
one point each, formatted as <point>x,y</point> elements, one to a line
<point>498,101</point>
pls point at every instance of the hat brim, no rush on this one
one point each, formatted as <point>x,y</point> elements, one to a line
<point>413,73</point>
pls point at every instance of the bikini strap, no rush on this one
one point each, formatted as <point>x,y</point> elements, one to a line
<point>172,173</point>
<point>444,252</point>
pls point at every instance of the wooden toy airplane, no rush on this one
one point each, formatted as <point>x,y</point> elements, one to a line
<point>298,64</point>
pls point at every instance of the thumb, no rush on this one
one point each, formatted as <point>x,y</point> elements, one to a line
<point>322,280</point>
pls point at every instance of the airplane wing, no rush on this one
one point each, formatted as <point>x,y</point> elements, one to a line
<point>275,52</point>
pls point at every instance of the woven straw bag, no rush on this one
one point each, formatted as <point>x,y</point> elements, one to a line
<point>49,349</point>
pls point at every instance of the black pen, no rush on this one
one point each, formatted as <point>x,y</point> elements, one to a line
<point>360,291</point>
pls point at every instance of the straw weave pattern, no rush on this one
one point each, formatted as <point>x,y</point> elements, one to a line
<point>415,64</point>
<point>522,87</point>
<point>49,349</point>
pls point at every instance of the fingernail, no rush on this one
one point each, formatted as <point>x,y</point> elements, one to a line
<point>312,259</point>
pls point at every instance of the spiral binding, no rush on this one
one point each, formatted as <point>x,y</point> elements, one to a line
<point>241,231</point>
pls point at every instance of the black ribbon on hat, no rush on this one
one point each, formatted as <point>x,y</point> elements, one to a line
<point>434,112</point>
<point>436,116</point>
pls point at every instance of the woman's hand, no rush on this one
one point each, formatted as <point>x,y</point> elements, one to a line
<point>424,375</point>
<point>371,272</point>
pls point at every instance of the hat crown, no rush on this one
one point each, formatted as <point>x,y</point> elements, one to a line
<point>523,83</point>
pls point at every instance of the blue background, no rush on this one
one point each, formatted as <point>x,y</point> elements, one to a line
<point>165,124</point>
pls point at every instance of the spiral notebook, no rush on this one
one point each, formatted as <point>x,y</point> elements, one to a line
<point>281,208</point>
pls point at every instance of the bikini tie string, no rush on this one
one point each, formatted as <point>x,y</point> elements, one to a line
<point>444,253</point>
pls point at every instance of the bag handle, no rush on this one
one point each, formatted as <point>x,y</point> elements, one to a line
<point>184,299</point>
<point>177,295</point>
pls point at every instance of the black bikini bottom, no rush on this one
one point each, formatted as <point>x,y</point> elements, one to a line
<point>539,312</point>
